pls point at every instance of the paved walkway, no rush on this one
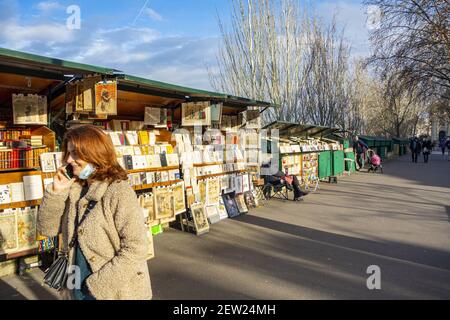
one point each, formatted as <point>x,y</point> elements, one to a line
<point>316,249</point>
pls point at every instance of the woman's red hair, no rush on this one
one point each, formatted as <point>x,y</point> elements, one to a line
<point>95,147</point>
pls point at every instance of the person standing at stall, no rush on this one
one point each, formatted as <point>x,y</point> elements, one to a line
<point>102,224</point>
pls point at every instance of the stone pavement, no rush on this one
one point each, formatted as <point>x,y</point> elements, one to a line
<point>316,249</point>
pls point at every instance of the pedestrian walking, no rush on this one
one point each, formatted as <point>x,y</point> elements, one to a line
<point>426,149</point>
<point>415,148</point>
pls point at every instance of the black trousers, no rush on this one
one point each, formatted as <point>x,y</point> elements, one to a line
<point>425,157</point>
<point>414,157</point>
<point>359,159</point>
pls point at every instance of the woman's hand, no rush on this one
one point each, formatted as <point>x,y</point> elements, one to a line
<point>60,181</point>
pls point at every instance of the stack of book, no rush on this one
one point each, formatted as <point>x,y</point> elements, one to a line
<point>33,141</point>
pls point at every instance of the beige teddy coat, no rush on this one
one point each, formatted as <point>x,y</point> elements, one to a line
<point>112,237</point>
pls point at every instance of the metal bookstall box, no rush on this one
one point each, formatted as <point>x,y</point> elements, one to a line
<point>380,145</point>
<point>400,145</point>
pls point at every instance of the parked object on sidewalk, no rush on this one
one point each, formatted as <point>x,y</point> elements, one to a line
<point>374,161</point>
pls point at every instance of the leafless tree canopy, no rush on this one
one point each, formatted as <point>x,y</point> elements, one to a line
<point>414,40</point>
<point>276,51</point>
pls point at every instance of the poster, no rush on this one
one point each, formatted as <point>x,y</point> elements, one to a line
<point>152,116</point>
<point>213,214</point>
<point>88,90</point>
<point>8,232</point>
<point>213,191</point>
<point>163,203</point>
<point>106,98</point>
<point>26,228</point>
<point>29,109</point>
<point>250,200</point>
<point>196,113</point>
<point>178,198</point>
<point>200,220</point>
<point>242,207</point>
<point>252,119</point>
<point>202,190</point>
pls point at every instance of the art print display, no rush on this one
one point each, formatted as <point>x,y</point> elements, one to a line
<point>230,204</point>
<point>178,198</point>
<point>147,203</point>
<point>240,201</point>
<point>213,213</point>
<point>29,109</point>
<point>222,210</point>
<point>88,90</point>
<point>252,119</point>
<point>8,232</point>
<point>250,200</point>
<point>163,203</point>
<point>26,228</point>
<point>152,116</point>
<point>200,219</point>
<point>202,190</point>
<point>216,112</point>
<point>213,191</point>
<point>196,113</point>
<point>106,98</point>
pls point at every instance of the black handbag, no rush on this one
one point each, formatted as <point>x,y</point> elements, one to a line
<point>56,275</point>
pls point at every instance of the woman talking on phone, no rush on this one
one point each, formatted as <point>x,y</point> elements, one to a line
<point>92,205</point>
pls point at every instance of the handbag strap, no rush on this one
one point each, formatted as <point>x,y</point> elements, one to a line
<point>89,208</point>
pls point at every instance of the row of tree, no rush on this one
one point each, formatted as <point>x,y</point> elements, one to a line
<point>276,51</point>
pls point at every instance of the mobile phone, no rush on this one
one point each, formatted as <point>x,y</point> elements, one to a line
<point>69,171</point>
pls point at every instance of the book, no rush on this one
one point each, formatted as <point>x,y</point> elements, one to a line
<point>143,137</point>
<point>132,138</point>
<point>33,187</point>
<point>163,160</point>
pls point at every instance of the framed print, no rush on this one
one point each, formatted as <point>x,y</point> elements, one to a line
<point>162,119</point>
<point>48,162</point>
<point>250,200</point>
<point>196,113</point>
<point>29,109</point>
<point>106,98</point>
<point>163,203</point>
<point>213,214</point>
<point>213,191</point>
<point>200,220</point>
<point>242,207</point>
<point>8,232</point>
<point>178,198</point>
<point>152,116</point>
<point>230,204</point>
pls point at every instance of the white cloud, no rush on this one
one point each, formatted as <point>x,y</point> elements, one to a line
<point>49,6</point>
<point>153,14</point>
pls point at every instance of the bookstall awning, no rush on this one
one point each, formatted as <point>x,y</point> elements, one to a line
<point>37,74</point>
<point>292,130</point>
<point>175,94</point>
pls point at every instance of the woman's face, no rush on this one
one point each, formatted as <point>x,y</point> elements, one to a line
<point>74,159</point>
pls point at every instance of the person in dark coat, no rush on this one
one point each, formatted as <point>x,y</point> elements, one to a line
<point>426,149</point>
<point>415,148</point>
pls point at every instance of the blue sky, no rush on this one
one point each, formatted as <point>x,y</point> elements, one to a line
<point>172,40</point>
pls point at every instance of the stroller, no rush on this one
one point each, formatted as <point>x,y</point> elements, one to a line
<point>374,161</point>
